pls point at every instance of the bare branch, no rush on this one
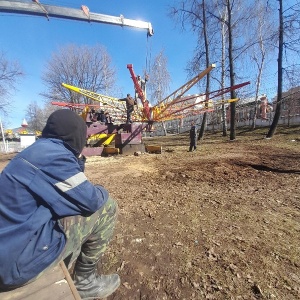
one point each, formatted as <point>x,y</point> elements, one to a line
<point>86,67</point>
<point>10,73</point>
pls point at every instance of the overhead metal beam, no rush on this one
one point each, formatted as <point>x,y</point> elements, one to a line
<point>38,9</point>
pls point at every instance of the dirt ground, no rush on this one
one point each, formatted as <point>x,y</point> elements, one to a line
<point>222,222</point>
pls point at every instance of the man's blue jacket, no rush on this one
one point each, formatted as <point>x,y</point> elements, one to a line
<point>41,185</point>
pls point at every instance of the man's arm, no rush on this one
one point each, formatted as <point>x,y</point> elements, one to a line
<point>65,188</point>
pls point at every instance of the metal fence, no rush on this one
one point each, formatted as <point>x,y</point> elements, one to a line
<point>177,126</point>
<point>10,147</point>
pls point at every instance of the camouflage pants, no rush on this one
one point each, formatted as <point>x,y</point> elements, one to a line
<point>88,237</point>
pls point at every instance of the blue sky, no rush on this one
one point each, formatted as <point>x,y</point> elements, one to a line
<point>31,40</point>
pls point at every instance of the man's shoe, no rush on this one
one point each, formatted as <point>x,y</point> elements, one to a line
<point>91,285</point>
<point>100,287</point>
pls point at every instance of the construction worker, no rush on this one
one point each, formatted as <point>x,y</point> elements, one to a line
<point>147,110</point>
<point>108,118</point>
<point>193,137</point>
<point>93,115</point>
<point>50,211</point>
<point>101,117</point>
<point>142,84</point>
<point>130,102</point>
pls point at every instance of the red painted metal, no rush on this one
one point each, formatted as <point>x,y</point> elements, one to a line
<point>137,87</point>
<point>73,105</point>
<point>92,151</point>
<point>179,105</point>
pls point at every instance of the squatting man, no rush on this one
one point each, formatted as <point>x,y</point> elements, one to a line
<point>50,212</point>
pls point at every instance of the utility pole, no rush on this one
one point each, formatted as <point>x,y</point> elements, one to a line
<point>83,14</point>
<point>3,138</point>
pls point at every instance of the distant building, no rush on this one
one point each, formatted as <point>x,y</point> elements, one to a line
<point>290,103</point>
<point>12,134</point>
<point>245,109</point>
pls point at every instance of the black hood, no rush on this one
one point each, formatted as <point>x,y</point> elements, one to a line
<point>67,126</point>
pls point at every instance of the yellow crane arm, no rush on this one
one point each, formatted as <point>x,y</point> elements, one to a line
<point>105,100</point>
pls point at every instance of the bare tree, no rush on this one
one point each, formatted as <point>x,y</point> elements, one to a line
<point>159,79</point>
<point>223,15</point>
<point>193,14</point>
<point>86,67</point>
<point>235,15</point>
<point>207,60</point>
<point>279,87</point>
<point>231,8</point>
<point>37,116</point>
<point>10,73</point>
<point>288,40</point>
<point>262,28</point>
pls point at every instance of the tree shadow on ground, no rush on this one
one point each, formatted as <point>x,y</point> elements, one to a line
<point>268,169</point>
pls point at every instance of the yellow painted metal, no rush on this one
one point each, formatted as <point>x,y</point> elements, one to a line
<point>104,138</point>
<point>226,101</point>
<point>172,107</point>
<point>109,139</point>
<point>116,108</point>
<point>85,112</point>
<point>179,92</point>
<point>107,100</point>
<point>161,111</point>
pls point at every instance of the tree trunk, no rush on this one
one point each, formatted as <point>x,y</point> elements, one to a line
<point>224,121</point>
<point>164,127</point>
<point>260,65</point>
<point>231,72</point>
<point>203,125</point>
<point>223,71</point>
<point>256,97</point>
<point>279,88</point>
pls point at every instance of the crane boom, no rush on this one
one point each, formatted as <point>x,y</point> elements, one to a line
<point>82,14</point>
<point>105,100</point>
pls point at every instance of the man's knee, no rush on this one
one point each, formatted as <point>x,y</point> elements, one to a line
<point>111,206</point>
<point>107,215</point>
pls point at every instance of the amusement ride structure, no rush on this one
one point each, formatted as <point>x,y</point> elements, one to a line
<point>127,136</point>
<point>174,106</point>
